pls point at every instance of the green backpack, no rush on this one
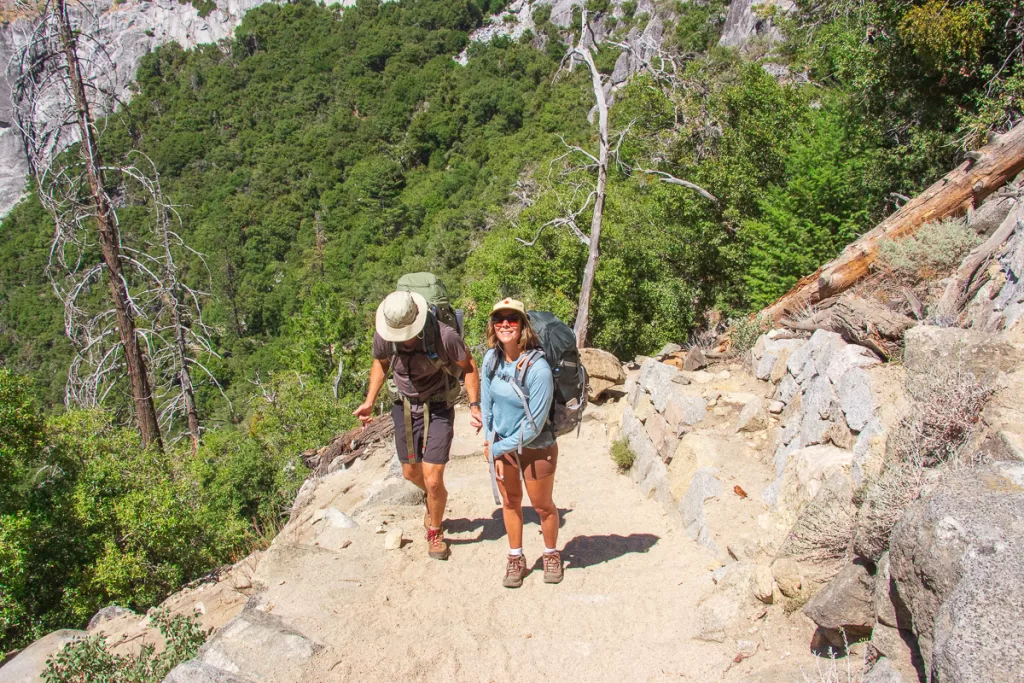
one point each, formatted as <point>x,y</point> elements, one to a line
<point>433,290</point>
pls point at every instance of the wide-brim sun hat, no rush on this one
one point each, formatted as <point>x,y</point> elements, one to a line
<point>401,316</point>
<point>508,304</point>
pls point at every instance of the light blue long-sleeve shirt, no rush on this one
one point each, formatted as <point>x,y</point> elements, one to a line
<point>502,409</point>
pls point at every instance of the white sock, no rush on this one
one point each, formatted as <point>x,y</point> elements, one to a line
<point>515,552</point>
<point>548,551</point>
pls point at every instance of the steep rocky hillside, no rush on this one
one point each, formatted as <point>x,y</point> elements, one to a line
<point>123,32</point>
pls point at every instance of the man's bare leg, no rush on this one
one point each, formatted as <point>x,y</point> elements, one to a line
<point>413,472</point>
<point>437,494</point>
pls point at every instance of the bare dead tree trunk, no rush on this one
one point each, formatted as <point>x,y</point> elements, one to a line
<point>594,252</point>
<point>142,395</point>
<point>969,276</point>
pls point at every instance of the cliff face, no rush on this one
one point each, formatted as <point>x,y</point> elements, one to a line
<point>126,32</point>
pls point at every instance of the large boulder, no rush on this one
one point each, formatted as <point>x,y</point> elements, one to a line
<point>107,614</point>
<point>982,353</point>
<point>845,609</point>
<point>29,665</point>
<point>194,671</point>
<point>259,646</point>
<point>895,652</point>
<point>889,606</point>
<point>957,559</point>
<point>821,536</point>
<point>703,486</point>
<point>805,472</point>
<point>856,399</point>
<point>648,471</point>
<point>743,22</point>
<point>603,369</point>
<point>772,349</point>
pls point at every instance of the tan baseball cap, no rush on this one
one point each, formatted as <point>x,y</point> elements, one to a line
<point>401,316</point>
<point>507,304</point>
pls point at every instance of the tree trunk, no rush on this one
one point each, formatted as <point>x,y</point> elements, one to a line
<point>961,189</point>
<point>142,395</point>
<point>966,281</point>
<point>859,321</point>
<point>594,255</point>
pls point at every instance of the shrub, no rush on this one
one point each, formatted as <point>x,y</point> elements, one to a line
<point>745,331</point>
<point>946,410</point>
<point>935,434</point>
<point>884,500</point>
<point>623,455</point>
<point>934,249</point>
<point>87,660</point>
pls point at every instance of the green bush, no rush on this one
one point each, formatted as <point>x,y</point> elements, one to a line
<point>88,661</point>
<point>622,455</point>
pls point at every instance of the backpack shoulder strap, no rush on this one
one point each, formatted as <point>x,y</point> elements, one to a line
<point>491,363</point>
<point>527,360</point>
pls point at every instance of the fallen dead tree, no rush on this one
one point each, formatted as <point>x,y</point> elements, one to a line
<point>345,448</point>
<point>859,321</point>
<point>965,187</point>
<point>972,274</point>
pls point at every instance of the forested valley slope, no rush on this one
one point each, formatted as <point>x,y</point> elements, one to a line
<point>323,151</point>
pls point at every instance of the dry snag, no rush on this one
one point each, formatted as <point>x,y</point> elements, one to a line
<point>588,195</point>
<point>148,329</point>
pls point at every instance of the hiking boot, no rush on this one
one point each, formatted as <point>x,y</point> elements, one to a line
<point>436,547</point>
<point>552,567</point>
<point>515,571</point>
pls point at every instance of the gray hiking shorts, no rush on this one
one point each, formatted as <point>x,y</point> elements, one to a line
<point>439,434</point>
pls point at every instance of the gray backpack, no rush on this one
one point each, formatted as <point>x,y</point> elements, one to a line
<point>558,347</point>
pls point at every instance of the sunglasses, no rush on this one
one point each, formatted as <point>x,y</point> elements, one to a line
<point>510,318</point>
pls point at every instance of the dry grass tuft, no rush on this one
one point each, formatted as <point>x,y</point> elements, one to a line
<point>934,436</point>
<point>946,411</point>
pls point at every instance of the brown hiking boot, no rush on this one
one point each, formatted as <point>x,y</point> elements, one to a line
<point>436,547</point>
<point>552,567</point>
<point>515,571</point>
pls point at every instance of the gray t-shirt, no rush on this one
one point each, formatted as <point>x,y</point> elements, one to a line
<point>415,374</point>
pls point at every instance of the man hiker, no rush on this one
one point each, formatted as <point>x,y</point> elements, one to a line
<point>427,357</point>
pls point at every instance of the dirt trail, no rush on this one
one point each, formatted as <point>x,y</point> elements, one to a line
<point>625,611</point>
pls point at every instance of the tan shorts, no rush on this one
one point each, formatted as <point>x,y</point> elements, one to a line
<point>535,463</point>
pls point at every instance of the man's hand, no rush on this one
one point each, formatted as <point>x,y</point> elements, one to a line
<point>487,450</point>
<point>365,413</point>
<point>476,418</point>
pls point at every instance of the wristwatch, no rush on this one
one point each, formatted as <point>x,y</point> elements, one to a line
<point>474,404</point>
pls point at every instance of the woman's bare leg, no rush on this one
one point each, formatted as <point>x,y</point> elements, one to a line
<point>540,497</point>
<point>511,489</point>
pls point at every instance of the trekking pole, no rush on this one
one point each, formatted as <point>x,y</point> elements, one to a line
<point>494,472</point>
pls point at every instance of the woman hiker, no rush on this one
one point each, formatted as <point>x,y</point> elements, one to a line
<point>523,445</point>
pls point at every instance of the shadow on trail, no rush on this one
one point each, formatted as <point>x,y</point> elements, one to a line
<point>493,528</point>
<point>586,551</point>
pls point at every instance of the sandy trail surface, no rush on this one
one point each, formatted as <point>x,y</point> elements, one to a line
<point>626,610</point>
